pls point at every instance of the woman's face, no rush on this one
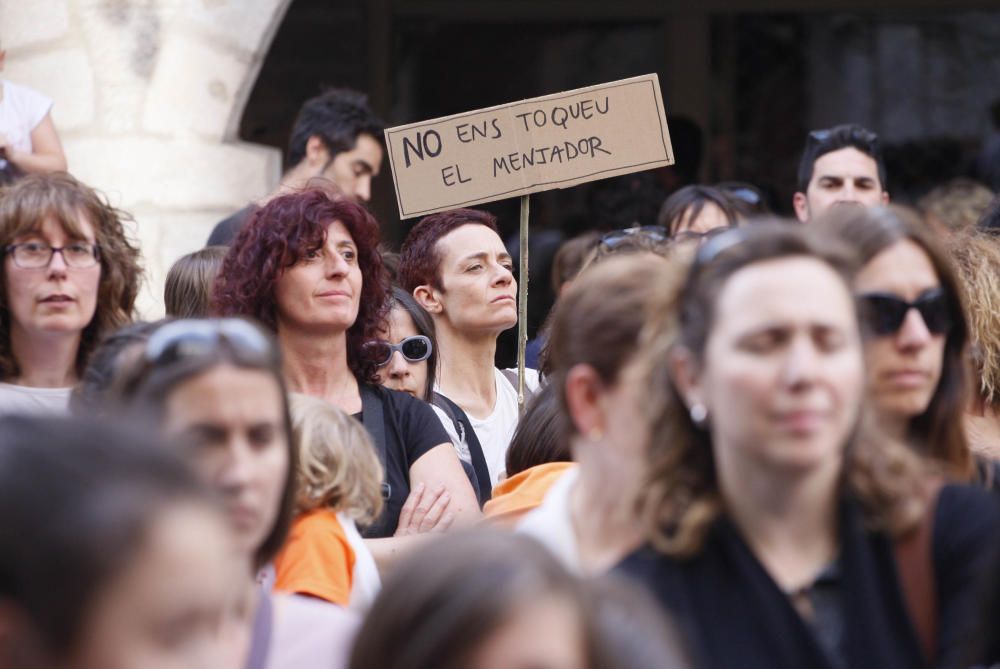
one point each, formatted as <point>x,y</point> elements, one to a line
<point>782,381</point>
<point>164,608</point>
<point>545,634</point>
<point>55,298</point>
<point>399,373</point>
<point>479,294</point>
<point>233,420</point>
<point>323,289</point>
<point>904,368</point>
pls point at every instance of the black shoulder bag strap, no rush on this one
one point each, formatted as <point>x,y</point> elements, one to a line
<point>511,376</point>
<point>472,441</point>
<point>373,418</point>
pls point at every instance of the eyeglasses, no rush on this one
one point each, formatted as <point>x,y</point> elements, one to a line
<point>35,255</point>
<point>656,233</point>
<point>191,338</point>
<point>415,349</point>
<point>886,312</point>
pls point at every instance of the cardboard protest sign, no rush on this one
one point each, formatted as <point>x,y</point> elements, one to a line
<point>554,141</point>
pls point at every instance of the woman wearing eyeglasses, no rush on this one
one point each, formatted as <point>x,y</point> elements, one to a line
<point>308,268</point>
<point>215,389</point>
<point>408,362</point>
<point>70,275</point>
<point>916,332</point>
<point>784,532</point>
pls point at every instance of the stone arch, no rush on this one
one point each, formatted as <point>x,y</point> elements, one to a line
<point>148,97</point>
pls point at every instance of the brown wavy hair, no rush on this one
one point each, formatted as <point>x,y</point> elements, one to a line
<point>976,256</point>
<point>280,234</point>
<point>938,432</point>
<point>681,498</point>
<point>25,205</point>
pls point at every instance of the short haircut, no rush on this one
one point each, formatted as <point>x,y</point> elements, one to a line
<point>188,289</point>
<point>420,258</point>
<point>540,436</point>
<point>25,205</point>
<point>688,203</point>
<point>337,467</point>
<point>77,498</point>
<point>821,142</point>
<point>337,116</point>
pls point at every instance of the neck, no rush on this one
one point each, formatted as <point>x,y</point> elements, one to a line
<point>292,181</point>
<point>45,360</point>
<point>316,365</point>
<point>603,505</point>
<point>791,526</point>
<point>466,369</point>
<point>895,427</point>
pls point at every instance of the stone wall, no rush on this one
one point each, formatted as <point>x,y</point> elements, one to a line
<point>148,97</point>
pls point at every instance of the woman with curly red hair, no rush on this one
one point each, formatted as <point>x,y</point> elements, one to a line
<point>308,268</point>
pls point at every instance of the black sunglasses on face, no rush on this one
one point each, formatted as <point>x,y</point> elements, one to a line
<point>886,312</point>
<point>415,349</point>
<point>191,338</point>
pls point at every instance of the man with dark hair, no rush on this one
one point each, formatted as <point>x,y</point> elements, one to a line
<point>839,164</point>
<point>335,142</point>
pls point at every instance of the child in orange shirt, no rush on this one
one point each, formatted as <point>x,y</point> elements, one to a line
<point>339,482</point>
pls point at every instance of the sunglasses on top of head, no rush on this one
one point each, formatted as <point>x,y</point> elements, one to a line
<point>886,312</point>
<point>415,349</point>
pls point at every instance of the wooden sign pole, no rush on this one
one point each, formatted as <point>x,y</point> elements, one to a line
<point>522,305</point>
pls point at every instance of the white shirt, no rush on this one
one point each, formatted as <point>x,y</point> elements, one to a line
<point>365,581</point>
<point>496,430</point>
<point>551,523</point>
<point>21,110</point>
<point>23,399</point>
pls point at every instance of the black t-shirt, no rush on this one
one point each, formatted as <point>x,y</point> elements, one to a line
<point>411,428</point>
<point>226,230</point>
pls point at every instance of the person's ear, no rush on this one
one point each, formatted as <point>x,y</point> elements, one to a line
<point>885,197</point>
<point>801,205</point>
<point>686,376</point>
<point>584,390</point>
<point>428,298</point>
<point>317,155</point>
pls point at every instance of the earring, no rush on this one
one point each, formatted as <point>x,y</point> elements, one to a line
<point>699,414</point>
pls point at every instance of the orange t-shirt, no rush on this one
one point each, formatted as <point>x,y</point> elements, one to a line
<point>516,496</point>
<point>317,559</point>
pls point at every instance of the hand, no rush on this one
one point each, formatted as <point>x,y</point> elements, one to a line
<point>425,511</point>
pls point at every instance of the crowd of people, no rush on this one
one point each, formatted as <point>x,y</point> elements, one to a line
<point>745,441</point>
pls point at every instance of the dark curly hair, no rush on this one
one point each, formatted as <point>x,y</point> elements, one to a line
<point>25,205</point>
<point>281,233</point>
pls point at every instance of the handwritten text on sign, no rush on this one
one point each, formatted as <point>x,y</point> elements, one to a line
<point>529,146</point>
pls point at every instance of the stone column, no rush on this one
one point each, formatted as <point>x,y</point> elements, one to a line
<point>148,97</point>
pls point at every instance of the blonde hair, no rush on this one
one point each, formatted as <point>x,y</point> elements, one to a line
<point>976,256</point>
<point>337,467</point>
<point>958,204</point>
